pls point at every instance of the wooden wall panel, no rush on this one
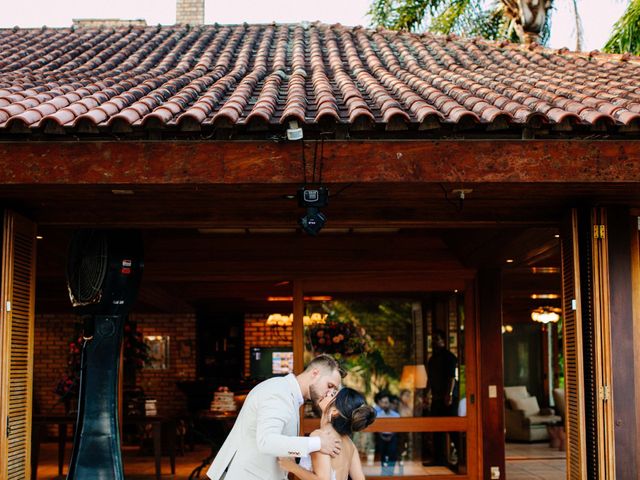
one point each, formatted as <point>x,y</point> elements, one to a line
<point>16,351</point>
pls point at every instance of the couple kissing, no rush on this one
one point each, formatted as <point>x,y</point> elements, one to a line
<point>263,441</point>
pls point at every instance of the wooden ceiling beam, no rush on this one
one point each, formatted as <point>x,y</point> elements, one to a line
<point>260,162</point>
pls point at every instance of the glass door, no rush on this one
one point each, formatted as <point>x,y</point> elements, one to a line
<point>409,354</point>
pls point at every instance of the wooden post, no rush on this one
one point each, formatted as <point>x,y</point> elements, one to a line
<point>491,388</point>
<point>624,368</point>
<point>298,327</point>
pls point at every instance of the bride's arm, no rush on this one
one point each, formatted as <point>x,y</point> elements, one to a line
<point>355,468</point>
<point>322,468</point>
<point>320,462</point>
<point>290,466</point>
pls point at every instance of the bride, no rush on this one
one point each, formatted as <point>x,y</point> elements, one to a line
<point>344,413</point>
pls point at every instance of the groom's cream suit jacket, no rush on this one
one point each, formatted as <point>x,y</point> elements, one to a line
<point>265,429</point>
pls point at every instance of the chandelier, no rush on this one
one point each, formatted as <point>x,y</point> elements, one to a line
<point>546,315</point>
<point>279,320</point>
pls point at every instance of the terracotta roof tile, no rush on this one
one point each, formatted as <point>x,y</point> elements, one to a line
<point>262,76</point>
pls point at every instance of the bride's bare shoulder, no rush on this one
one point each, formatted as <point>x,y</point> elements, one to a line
<point>318,431</point>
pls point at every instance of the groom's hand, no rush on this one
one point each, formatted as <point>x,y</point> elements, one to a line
<point>330,443</point>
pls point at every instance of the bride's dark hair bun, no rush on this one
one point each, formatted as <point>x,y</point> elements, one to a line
<point>353,412</point>
<point>362,417</point>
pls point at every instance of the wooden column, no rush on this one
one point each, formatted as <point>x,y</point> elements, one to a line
<point>491,388</point>
<point>624,369</point>
<point>298,327</point>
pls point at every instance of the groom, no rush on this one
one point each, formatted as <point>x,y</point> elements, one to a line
<point>269,421</point>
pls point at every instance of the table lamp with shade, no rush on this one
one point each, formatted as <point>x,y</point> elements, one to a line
<point>414,377</point>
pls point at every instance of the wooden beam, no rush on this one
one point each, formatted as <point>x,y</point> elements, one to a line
<point>491,370</point>
<point>260,162</point>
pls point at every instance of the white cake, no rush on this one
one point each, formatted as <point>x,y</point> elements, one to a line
<point>223,402</point>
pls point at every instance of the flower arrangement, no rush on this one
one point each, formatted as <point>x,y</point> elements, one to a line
<point>135,350</point>
<point>336,337</point>
<point>68,385</point>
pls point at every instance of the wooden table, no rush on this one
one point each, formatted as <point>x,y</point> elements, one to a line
<point>214,428</point>
<point>156,422</point>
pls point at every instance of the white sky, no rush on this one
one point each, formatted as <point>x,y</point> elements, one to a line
<point>598,16</point>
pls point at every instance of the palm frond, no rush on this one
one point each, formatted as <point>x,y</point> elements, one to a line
<point>626,32</point>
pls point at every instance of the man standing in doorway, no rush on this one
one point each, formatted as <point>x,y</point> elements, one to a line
<point>386,442</point>
<point>269,421</point>
<point>442,385</point>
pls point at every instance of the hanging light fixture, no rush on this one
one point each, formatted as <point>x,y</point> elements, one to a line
<point>546,315</point>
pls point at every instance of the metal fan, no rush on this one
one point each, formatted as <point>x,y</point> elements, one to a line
<point>104,269</point>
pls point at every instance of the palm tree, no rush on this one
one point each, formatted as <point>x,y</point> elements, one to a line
<point>626,32</point>
<point>525,21</point>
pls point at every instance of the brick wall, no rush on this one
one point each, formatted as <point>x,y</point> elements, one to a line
<point>190,12</point>
<point>161,384</point>
<point>258,334</point>
<point>51,346</point>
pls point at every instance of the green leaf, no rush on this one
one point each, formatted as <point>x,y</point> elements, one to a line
<point>625,36</point>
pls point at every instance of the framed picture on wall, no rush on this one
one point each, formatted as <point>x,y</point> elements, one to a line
<point>158,352</point>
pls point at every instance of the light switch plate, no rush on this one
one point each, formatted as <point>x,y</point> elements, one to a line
<point>495,473</point>
<point>493,392</point>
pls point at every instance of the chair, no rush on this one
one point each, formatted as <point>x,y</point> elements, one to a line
<point>558,399</point>
<point>524,420</point>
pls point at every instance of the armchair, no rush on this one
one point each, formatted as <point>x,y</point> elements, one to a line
<point>524,420</point>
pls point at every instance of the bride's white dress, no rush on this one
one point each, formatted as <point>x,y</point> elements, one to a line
<point>305,462</point>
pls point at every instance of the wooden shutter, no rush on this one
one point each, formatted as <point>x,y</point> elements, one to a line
<point>16,347</point>
<point>572,333</point>
<point>602,345</point>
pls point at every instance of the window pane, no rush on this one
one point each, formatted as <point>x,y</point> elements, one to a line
<point>403,352</point>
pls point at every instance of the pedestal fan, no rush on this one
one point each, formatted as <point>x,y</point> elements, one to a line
<point>104,269</point>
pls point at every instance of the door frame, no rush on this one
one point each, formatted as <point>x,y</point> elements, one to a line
<point>407,282</point>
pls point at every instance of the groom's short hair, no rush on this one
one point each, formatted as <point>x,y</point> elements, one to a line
<point>326,362</point>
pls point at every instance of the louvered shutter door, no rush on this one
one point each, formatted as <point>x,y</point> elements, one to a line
<point>572,333</point>
<point>16,330</point>
<point>605,449</point>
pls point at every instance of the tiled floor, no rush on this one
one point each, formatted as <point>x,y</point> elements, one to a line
<point>532,461</point>
<point>524,462</point>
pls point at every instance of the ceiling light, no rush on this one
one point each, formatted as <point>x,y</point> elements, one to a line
<point>39,237</point>
<point>544,296</point>
<point>557,235</point>
<point>545,270</point>
<point>546,315</point>
<point>509,260</point>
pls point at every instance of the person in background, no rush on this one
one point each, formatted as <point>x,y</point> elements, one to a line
<point>386,442</point>
<point>405,407</point>
<point>442,389</point>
